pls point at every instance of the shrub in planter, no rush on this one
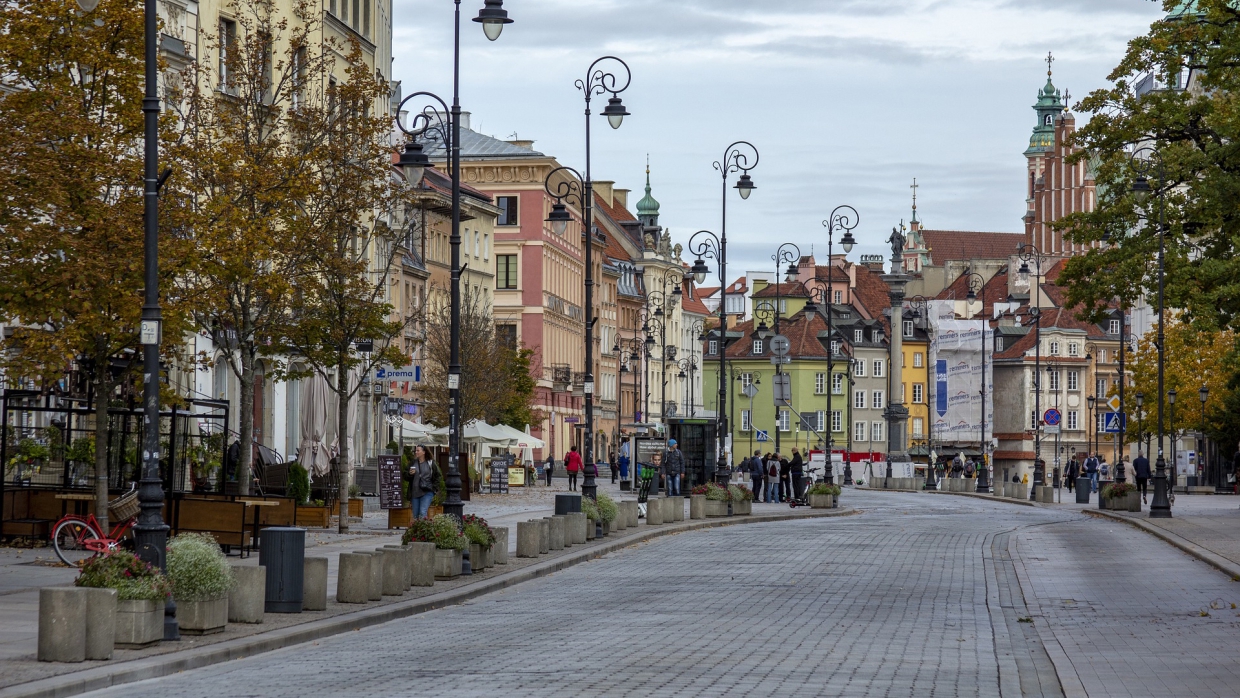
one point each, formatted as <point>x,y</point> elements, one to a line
<point>478,532</point>
<point>441,530</point>
<point>141,592</point>
<point>589,507</point>
<point>715,493</point>
<point>607,509</point>
<point>298,483</point>
<point>740,493</point>
<point>824,488</point>
<point>201,579</point>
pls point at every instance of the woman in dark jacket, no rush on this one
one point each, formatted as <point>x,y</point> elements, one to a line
<point>421,482</point>
<point>797,470</point>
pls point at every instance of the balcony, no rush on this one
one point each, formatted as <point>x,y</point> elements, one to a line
<point>561,376</point>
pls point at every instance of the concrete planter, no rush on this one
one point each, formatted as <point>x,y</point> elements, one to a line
<point>448,563</point>
<point>820,501</point>
<point>202,617</point>
<point>141,623</point>
<point>697,506</point>
<point>715,509</point>
<point>743,508</point>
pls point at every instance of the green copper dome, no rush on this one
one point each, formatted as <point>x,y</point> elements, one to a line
<point>648,207</point>
<point>1049,106</point>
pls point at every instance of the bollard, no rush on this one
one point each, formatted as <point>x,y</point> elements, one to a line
<point>654,511</point>
<point>62,624</point>
<point>422,565</point>
<point>501,546</point>
<point>544,536</point>
<point>248,598</point>
<point>577,525</point>
<point>555,529</point>
<point>100,622</point>
<point>678,508</point>
<point>314,587</point>
<point>391,580</point>
<point>375,590</point>
<point>406,564</point>
<point>697,506</point>
<point>528,535</point>
<point>353,578</point>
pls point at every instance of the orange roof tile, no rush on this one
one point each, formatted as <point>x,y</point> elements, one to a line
<point>945,245</point>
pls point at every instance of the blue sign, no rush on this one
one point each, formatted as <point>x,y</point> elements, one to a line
<point>1113,422</point>
<point>1052,417</point>
<point>940,380</point>
<point>761,435</point>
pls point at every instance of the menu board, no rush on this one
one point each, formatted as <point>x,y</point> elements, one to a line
<point>500,463</point>
<point>390,483</point>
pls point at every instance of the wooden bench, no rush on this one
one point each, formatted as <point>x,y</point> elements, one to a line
<point>222,520</point>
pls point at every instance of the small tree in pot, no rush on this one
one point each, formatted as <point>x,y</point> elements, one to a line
<point>201,579</point>
<point>141,592</point>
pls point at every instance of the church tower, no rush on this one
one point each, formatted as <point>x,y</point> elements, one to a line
<point>648,208</point>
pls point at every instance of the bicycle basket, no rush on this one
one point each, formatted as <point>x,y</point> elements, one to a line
<point>124,507</point>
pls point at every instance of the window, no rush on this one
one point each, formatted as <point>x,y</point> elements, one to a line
<point>1053,379</point>
<point>876,431</point>
<point>837,420</point>
<point>918,359</point>
<point>486,245</point>
<point>919,393</point>
<point>1100,388</point>
<point>903,393</point>
<point>1033,419</point>
<point>878,368</point>
<point>477,243</point>
<point>1074,349</point>
<point>746,380</point>
<point>839,297</point>
<point>918,428</point>
<point>757,346</point>
<point>837,383</point>
<point>876,336</point>
<point>784,420</point>
<point>835,348</point>
<point>1054,349</point>
<point>1074,380</point>
<point>858,431</point>
<point>820,423</point>
<point>820,383</point>
<point>1114,327</point>
<point>507,210</point>
<point>228,41</point>
<point>744,420</point>
<point>366,18</point>
<point>859,369</point>
<point>876,400</point>
<point>1073,423</point>
<point>1099,422</point>
<point>1102,356</point>
<point>859,399</point>
<point>506,335</point>
<point>505,271</point>
<point>355,13</point>
<point>858,335</point>
<point>908,328</point>
<point>713,347</point>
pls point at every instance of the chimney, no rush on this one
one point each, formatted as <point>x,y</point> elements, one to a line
<point>873,262</point>
<point>528,145</point>
<point>622,197</point>
<point>604,190</point>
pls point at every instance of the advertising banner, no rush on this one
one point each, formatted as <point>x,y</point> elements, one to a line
<point>956,348</point>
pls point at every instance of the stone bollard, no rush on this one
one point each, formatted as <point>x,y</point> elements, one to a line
<point>501,546</point>
<point>697,506</point>
<point>528,535</point>
<point>591,529</point>
<point>62,624</point>
<point>577,524</point>
<point>621,520</point>
<point>353,578</point>
<point>555,528</point>
<point>422,565</point>
<point>654,511</point>
<point>375,590</point>
<point>248,597</point>
<point>393,565</point>
<point>406,564</point>
<point>100,622</point>
<point>314,584</point>
<point>544,536</point>
<point>678,508</point>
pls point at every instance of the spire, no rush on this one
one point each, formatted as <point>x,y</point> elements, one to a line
<point>1048,107</point>
<point>648,207</point>
<point>914,188</point>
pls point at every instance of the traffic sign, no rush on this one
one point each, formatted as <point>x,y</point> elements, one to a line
<point>1112,422</point>
<point>780,345</point>
<point>1113,403</point>
<point>749,391</point>
<point>783,390</point>
<point>781,360</point>
<point>1052,417</point>
<point>1050,429</point>
<point>761,435</point>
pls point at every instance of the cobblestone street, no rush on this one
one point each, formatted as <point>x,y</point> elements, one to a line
<point>917,596</point>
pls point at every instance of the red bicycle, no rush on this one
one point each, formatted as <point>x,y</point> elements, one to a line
<point>77,539</point>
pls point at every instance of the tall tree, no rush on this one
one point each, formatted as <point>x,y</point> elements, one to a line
<point>352,196</point>
<point>71,129</point>
<point>246,153</point>
<point>1196,190</point>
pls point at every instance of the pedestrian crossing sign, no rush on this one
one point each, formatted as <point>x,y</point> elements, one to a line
<point>761,435</point>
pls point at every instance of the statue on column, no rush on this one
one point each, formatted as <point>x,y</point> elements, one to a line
<point>897,240</point>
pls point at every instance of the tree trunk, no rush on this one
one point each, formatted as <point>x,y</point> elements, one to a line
<point>101,442</point>
<point>342,457</point>
<point>245,422</point>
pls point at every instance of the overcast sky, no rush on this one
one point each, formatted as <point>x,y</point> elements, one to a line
<point>847,100</point>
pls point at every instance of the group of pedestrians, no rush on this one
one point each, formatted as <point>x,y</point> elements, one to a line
<point>775,478</point>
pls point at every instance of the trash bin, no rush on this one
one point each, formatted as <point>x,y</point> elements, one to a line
<point>567,504</point>
<point>1083,485</point>
<point>283,553</point>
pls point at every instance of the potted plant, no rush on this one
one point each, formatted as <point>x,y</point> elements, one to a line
<point>26,461</point>
<point>481,539</point>
<point>356,503</point>
<point>201,580</point>
<point>444,531</point>
<point>80,459</point>
<point>607,511</point>
<point>742,499</point>
<point>141,593</point>
<point>589,507</point>
<point>1120,496</point>
<point>716,499</point>
<point>311,514</point>
<point>822,495</point>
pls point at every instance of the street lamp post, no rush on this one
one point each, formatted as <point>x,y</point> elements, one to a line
<point>918,304</point>
<point>1143,166</point>
<point>1091,402</point>
<point>1140,399</point>
<point>413,161</point>
<point>742,157</point>
<point>1028,253</point>
<point>1204,394</point>
<point>976,283</point>
<point>598,81</point>
<point>789,254</point>
<point>1171,431</point>
<point>843,218</point>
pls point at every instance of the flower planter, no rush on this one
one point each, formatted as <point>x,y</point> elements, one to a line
<point>313,517</point>
<point>716,508</point>
<point>820,501</point>
<point>356,507</point>
<point>140,623</point>
<point>202,617</point>
<point>743,508</point>
<point>399,518</point>
<point>434,510</point>
<point>448,563</point>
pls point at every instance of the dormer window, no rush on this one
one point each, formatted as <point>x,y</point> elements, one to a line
<point>757,346</point>
<point>876,336</point>
<point>858,335</point>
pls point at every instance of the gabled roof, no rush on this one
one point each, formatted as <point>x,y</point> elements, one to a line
<point>802,330</point>
<point>476,146</point>
<point>948,245</point>
<point>690,300</point>
<point>1052,318</point>
<point>707,291</point>
<point>785,290</point>
<point>870,294</point>
<point>994,291</point>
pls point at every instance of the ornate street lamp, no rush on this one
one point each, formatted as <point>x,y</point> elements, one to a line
<point>1030,253</point>
<point>789,254</point>
<point>976,283</point>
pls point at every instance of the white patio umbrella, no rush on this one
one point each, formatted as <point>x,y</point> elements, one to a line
<point>479,432</point>
<point>313,450</point>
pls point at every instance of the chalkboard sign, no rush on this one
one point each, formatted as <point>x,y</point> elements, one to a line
<point>500,464</point>
<point>389,483</point>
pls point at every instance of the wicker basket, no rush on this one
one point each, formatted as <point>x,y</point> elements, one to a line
<point>124,507</point>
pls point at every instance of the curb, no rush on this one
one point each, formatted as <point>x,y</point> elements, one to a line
<point>1222,564</point>
<point>164,665</point>
<point>987,497</point>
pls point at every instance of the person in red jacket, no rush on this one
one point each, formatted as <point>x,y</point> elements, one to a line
<point>572,463</point>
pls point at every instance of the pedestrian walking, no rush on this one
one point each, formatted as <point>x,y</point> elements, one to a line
<point>1091,472</point>
<point>785,478</point>
<point>674,465</point>
<point>615,467</point>
<point>757,470</point>
<point>796,468</point>
<point>572,463</point>
<point>772,478</point>
<point>1070,473</point>
<point>1104,469</point>
<point>1141,470</point>
<point>421,477</point>
<point>549,467</point>
<point>624,460</point>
